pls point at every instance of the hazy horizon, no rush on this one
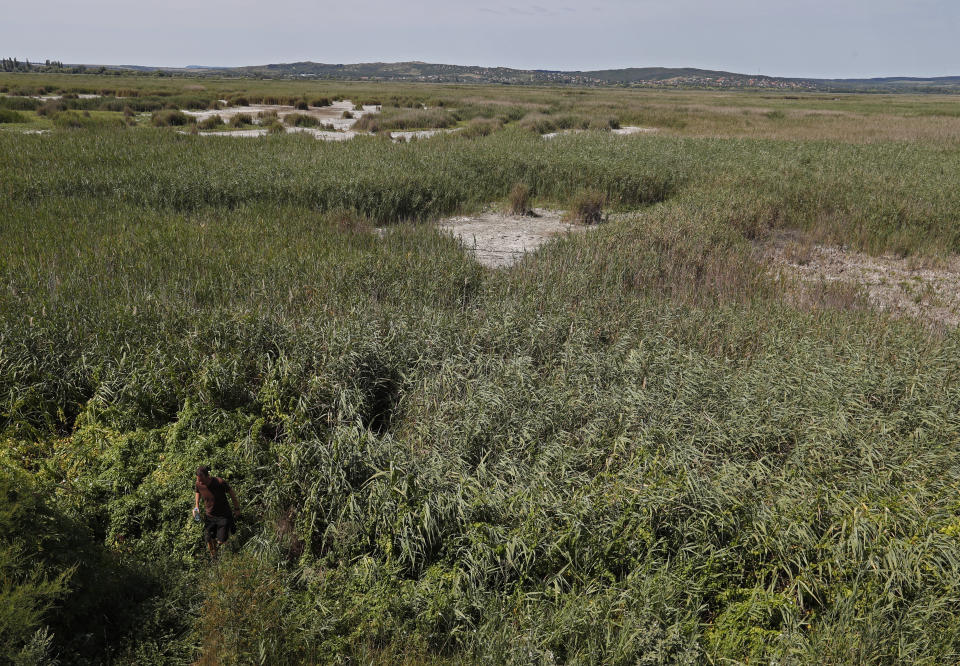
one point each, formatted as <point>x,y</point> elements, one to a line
<point>813,39</point>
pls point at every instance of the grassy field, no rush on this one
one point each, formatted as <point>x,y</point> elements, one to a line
<point>639,444</point>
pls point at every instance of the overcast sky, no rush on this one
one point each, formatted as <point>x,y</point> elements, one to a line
<point>816,38</point>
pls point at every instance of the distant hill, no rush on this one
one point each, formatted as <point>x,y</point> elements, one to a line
<point>654,77</point>
<point>422,71</point>
<point>660,77</point>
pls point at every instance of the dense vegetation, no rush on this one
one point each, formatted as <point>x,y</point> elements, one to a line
<point>636,445</point>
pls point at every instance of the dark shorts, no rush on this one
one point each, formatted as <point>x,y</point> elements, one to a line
<point>218,528</point>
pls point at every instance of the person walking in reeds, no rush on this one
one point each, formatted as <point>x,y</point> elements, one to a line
<point>219,522</point>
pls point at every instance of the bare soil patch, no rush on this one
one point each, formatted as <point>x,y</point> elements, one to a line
<point>620,131</point>
<point>902,286</point>
<point>498,239</point>
<point>329,115</point>
<point>407,135</point>
<point>236,133</point>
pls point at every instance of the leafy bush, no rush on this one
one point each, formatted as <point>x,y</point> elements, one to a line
<point>320,101</point>
<point>30,588</point>
<point>301,104</point>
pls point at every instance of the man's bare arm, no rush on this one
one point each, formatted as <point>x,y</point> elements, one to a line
<point>196,504</point>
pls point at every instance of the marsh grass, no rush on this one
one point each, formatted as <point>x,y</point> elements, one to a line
<point>519,198</point>
<point>8,116</point>
<point>240,120</point>
<point>635,444</point>
<point>210,122</point>
<point>302,120</point>
<point>480,127</point>
<point>406,120</point>
<point>586,206</point>
<point>171,118</point>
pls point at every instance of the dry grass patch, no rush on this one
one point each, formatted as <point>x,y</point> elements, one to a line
<point>587,207</point>
<point>520,199</point>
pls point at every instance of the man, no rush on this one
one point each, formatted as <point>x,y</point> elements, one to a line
<point>219,522</point>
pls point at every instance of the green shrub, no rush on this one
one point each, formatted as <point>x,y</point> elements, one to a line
<point>538,123</point>
<point>19,103</point>
<point>276,127</point>
<point>301,120</point>
<point>68,119</point>
<point>171,118</point>
<point>210,122</point>
<point>29,588</point>
<point>9,116</point>
<point>248,610</point>
<point>51,107</point>
<point>301,104</point>
<point>320,101</point>
<point>480,127</point>
<point>75,120</point>
<point>241,120</point>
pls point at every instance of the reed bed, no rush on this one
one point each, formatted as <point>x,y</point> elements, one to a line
<point>631,446</point>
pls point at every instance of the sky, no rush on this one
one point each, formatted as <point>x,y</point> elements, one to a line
<point>796,38</point>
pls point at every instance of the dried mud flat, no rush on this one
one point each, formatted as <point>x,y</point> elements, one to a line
<point>498,240</point>
<point>330,115</point>
<point>620,131</point>
<point>900,286</point>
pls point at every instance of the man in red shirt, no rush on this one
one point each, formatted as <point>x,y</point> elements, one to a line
<point>220,521</point>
